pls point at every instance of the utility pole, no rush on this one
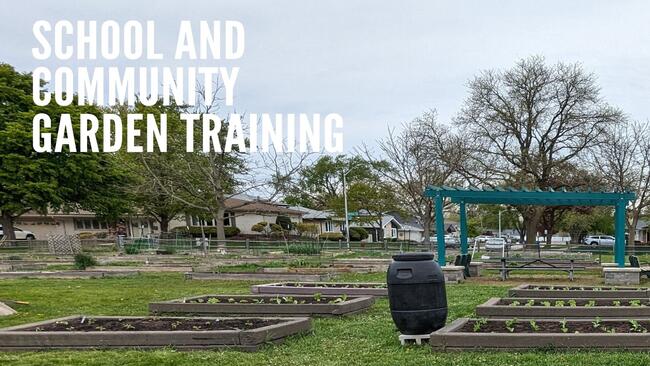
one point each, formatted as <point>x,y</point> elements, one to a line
<point>345,201</point>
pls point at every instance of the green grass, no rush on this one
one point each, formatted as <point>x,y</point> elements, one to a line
<point>363,339</point>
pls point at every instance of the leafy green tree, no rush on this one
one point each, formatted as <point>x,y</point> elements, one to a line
<point>50,181</point>
<point>371,199</point>
<point>322,182</point>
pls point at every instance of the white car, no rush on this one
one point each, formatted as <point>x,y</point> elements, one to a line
<point>495,244</point>
<point>450,241</point>
<point>600,240</point>
<point>20,234</point>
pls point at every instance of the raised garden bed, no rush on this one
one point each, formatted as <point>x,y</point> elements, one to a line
<point>287,305</point>
<point>88,332</point>
<point>324,288</point>
<point>564,308</point>
<point>255,276</point>
<point>513,334</point>
<point>66,274</point>
<point>562,291</point>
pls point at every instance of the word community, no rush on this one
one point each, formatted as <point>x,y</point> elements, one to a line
<point>264,133</point>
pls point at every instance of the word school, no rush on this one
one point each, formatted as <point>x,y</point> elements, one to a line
<point>264,133</point>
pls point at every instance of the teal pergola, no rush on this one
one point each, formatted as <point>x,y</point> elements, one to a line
<point>511,196</point>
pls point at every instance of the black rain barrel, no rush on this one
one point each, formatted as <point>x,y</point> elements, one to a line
<point>416,293</point>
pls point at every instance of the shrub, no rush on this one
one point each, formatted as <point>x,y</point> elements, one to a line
<point>358,234</point>
<point>195,231</point>
<point>86,235</point>
<point>275,228</point>
<point>303,249</point>
<point>83,261</point>
<point>260,227</point>
<point>331,236</point>
<point>284,222</point>
<point>309,230</point>
<point>131,249</point>
<point>231,231</point>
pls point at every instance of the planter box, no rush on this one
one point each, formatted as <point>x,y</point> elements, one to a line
<point>255,276</point>
<point>596,307</point>
<point>324,288</point>
<point>24,337</point>
<point>67,274</point>
<point>545,291</point>
<point>459,335</point>
<point>190,305</point>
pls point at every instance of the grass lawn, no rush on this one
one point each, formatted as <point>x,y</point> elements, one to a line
<point>365,339</point>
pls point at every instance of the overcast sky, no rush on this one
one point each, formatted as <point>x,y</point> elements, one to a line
<point>381,63</point>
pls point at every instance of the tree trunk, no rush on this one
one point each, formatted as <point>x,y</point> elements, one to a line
<point>221,234</point>
<point>631,229</point>
<point>531,219</point>
<point>164,220</point>
<point>427,229</point>
<point>8,226</point>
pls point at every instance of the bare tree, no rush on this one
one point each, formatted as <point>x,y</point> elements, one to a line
<point>422,154</point>
<point>624,160</point>
<point>531,120</point>
<point>205,181</point>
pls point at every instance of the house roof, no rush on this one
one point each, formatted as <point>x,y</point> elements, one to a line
<point>258,206</point>
<point>311,214</point>
<point>642,224</point>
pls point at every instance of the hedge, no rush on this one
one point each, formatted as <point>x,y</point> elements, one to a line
<point>195,231</point>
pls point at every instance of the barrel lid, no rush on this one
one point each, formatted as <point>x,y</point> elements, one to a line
<point>419,256</point>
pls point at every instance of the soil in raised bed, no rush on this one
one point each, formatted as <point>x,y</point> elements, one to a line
<point>585,288</point>
<point>554,326</point>
<point>573,303</point>
<point>283,300</point>
<point>332,285</point>
<point>87,324</point>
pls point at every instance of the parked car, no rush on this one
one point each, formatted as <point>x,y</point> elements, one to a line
<point>20,234</point>
<point>599,240</point>
<point>495,244</point>
<point>450,241</point>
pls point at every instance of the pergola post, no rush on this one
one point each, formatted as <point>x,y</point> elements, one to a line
<point>440,230</point>
<point>619,231</point>
<point>463,228</point>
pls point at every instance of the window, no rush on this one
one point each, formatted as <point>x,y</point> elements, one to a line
<point>328,226</point>
<point>228,219</point>
<point>393,233</point>
<point>91,224</point>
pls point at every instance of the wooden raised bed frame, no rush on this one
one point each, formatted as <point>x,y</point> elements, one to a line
<point>67,274</point>
<point>255,276</point>
<point>18,339</point>
<point>350,306</point>
<point>450,338</point>
<point>492,309</point>
<point>311,288</point>
<point>617,292</point>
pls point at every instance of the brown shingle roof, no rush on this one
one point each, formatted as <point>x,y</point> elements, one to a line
<point>237,205</point>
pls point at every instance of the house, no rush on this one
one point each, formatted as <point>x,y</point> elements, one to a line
<point>394,227</point>
<point>326,221</point>
<point>242,211</point>
<point>81,221</point>
<point>642,231</point>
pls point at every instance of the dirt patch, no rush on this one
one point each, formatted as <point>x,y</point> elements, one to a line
<point>89,324</point>
<point>554,326</point>
<point>279,300</point>
<point>334,285</point>
<point>573,302</point>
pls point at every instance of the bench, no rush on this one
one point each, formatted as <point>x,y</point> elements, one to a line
<point>463,260</point>
<point>537,265</point>
<point>634,262</point>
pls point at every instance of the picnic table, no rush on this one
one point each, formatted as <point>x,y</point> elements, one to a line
<point>536,264</point>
